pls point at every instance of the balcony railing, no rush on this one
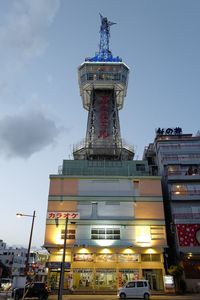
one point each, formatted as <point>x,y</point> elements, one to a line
<point>186,215</point>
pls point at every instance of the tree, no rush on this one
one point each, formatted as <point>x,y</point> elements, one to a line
<point>177,271</point>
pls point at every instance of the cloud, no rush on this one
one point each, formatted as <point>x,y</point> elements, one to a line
<point>24,134</point>
<point>26,24</point>
<point>23,33</point>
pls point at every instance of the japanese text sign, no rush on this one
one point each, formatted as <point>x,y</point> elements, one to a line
<point>63,215</point>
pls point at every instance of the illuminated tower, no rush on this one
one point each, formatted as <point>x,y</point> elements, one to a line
<point>105,219</point>
<point>103,83</point>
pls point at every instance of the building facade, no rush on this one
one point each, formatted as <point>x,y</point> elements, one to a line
<point>103,205</point>
<point>120,234</point>
<point>176,157</point>
<point>14,260</point>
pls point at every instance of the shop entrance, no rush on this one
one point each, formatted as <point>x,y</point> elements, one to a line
<point>152,280</point>
<point>54,279</point>
<point>83,279</point>
<point>155,278</point>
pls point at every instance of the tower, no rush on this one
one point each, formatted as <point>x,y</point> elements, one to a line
<point>103,81</point>
<point>115,228</point>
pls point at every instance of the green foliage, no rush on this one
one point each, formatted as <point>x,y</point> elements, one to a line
<point>176,271</point>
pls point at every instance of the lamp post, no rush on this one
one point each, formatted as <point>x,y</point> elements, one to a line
<point>30,238</point>
<point>62,269</point>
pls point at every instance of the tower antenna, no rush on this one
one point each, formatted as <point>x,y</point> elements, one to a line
<point>104,53</point>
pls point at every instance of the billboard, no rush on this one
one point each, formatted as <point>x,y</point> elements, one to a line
<point>188,235</point>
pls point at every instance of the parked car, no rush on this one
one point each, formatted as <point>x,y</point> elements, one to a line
<point>5,284</point>
<point>38,290</point>
<point>135,289</point>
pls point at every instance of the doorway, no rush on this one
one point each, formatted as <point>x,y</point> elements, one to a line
<point>155,278</point>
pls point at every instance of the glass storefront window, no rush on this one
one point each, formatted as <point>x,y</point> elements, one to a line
<point>105,279</point>
<point>54,280</point>
<point>125,275</point>
<point>83,279</point>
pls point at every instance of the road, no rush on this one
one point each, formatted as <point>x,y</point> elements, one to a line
<point>3,296</point>
<point>113,297</point>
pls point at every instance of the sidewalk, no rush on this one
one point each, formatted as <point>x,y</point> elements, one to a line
<point>5,295</point>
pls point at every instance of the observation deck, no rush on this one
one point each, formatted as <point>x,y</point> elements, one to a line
<point>103,75</point>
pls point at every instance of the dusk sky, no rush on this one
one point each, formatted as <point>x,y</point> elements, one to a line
<point>42,43</point>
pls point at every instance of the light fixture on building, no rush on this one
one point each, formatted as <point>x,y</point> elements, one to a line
<point>105,251</point>
<point>143,236</point>
<point>128,251</point>
<point>150,251</point>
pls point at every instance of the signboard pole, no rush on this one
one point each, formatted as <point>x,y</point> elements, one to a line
<point>62,269</point>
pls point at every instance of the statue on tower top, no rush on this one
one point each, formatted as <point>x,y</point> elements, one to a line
<point>104,53</point>
<point>105,25</point>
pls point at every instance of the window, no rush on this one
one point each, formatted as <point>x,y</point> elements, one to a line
<point>89,76</point>
<point>70,234</point>
<point>140,167</point>
<point>117,76</point>
<point>150,257</point>
<point>105,234</point>
<point>140,283</point>
<point>185,189</point>
<point>131,284</point>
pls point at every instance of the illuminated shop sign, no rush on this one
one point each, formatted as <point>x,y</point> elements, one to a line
<point>82,270</point>
<point>57,265</point>
<point>168,282</point>
<point>169,131</point>
<point>105,257</point>
<point>63,215</point>
<point>84,257</point>
<point>128,257</point>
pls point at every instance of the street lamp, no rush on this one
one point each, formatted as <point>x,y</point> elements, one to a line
<point>30,238</point>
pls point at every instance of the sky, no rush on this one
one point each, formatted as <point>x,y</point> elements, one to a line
<point>42,43</point>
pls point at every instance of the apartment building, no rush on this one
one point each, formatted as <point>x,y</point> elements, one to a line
<point>176,157</point>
